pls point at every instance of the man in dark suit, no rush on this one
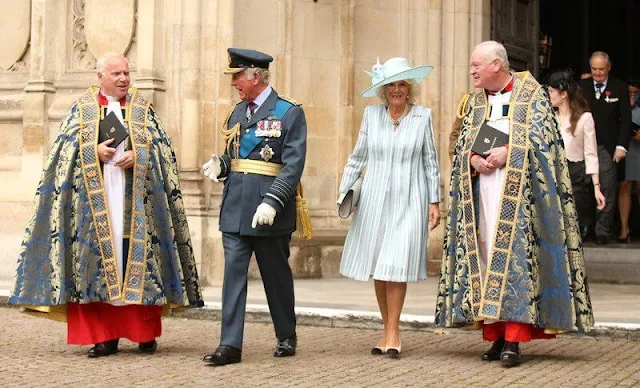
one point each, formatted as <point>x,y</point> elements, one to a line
<point>608,98</point>
<point>266,148</point>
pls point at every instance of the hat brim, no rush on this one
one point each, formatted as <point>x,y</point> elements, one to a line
<point>416,74</point>
<point>233,70</point>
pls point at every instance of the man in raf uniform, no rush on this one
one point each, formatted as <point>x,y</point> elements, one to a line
<point>263,162</point>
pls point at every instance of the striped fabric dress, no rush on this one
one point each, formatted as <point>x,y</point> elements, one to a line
<point>388,235</point>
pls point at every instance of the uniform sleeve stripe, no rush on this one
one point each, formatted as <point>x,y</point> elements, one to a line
<point>276,198</point>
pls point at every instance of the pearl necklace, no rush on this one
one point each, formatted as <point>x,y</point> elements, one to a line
<point>396,122</point>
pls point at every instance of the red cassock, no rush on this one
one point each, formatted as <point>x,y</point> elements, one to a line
<point>513,332</point>
<point>99,322</point>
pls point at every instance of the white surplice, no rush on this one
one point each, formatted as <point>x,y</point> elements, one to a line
<point>491,184</point>
<point>114,183</point>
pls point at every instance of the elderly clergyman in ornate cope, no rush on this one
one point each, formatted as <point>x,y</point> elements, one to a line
<point>108,248</point>
<point>513,261</point>
<point>262,204</point>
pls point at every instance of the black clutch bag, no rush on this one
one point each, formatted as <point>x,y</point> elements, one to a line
<point>112,128</point>
<point>488,137</point>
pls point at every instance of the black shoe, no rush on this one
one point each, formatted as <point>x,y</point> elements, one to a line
<point>224,355</point>
<point>602,240</point>
<point>624,240</point>
<point>493,354</point>
<point>510,355</point>
<point>286,347</point>
<point>104,349</point>
<point>148,347</point>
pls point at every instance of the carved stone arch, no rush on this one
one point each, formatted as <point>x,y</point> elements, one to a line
<point>102,26</point>
<point>109,25</point>
<point>16,24</point>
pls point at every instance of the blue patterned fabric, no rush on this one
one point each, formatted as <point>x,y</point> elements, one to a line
<point>61,257</point>
<point>536,273</point>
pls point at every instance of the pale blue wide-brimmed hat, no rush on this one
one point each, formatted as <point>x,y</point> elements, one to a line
<point>394,69</point>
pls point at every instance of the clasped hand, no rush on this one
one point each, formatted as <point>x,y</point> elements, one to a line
<point>495,158</point>
<point>105,154</point>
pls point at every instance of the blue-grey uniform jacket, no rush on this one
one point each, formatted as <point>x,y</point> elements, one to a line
<point>244,192</point>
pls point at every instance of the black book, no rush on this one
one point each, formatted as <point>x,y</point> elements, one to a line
<point>112,128</point>
<point>488,137</point>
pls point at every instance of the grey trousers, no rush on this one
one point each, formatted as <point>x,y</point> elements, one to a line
<point>272,255</point>
<point>609,187</point>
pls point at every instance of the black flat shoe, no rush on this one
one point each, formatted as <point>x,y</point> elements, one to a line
<point>510,355</point>
<point>104,349</point>
<point>602,240</point>
<point>224,355</point>
<point>286,347</point>
<point>377,351</point>
<point>148,347</point>
<point>393,352</point>
<point>493,354</point>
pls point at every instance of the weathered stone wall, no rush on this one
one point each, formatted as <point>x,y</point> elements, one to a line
<point>177,49</point>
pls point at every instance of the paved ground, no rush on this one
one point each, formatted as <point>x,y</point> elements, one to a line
<point>612,303</point>
<point>33,353</point>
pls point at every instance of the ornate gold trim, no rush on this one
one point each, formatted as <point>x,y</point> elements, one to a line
<point>140,143</point>
<point>92,176</point>
<point>488,292</point>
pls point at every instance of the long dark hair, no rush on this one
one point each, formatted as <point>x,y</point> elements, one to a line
<point>564,82</point>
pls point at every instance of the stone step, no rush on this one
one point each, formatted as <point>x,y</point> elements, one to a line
<point>613,263</point>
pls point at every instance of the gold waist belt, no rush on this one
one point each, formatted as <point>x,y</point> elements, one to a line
<point>255,167</point>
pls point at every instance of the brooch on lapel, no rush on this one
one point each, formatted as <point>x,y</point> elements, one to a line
<point>266,152</point>
<point>269,128</point>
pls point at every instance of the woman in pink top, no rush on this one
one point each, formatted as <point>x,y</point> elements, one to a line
<point>579,134</point>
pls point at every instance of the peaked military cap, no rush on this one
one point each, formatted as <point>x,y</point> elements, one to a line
<point>240,59</point>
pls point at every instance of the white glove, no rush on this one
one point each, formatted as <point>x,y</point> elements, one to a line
<point>265,214</point>
<point>211,169</point>
<point>340,199</point>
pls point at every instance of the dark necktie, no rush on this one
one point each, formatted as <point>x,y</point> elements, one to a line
<point>252,109</point>
<point>599,86</point>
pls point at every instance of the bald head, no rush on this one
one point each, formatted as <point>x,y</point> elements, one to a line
<point>113,75</point>
<point>489,66</point>
<point>109,57</point>
<point>491,51</point>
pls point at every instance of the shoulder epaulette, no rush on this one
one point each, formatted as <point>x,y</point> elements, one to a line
<point>463,106</point>
<point>291,100</point>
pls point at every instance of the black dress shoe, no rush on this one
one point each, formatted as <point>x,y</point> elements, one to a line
<point>624,240</point>
<point>510,354</point>
<point>286,347</point>
<point>602,240</point>
<point>493,354</point>
<point>224,355</point>
<point>104,349</point>
<point>148,347</point>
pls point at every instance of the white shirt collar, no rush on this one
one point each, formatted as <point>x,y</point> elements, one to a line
<point>604,83</point>
<point>262,97</point>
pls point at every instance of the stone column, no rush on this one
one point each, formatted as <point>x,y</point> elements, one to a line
<point>188,62</point>
<point>39,90</point>
<point>149,35</point>
<point>218,32</point>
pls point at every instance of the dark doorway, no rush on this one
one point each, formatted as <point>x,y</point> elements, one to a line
<point>579,27</point>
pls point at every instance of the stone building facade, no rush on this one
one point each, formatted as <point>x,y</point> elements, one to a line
<point>177,50</point>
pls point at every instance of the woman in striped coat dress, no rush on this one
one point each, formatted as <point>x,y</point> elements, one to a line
<point>400,194</point>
